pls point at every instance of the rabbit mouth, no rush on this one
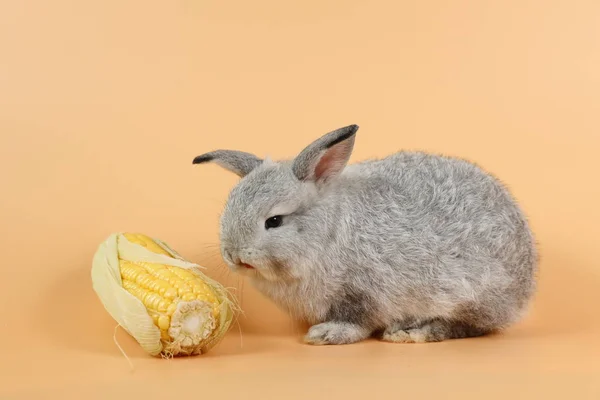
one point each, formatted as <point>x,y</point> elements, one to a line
<point>247,266</point>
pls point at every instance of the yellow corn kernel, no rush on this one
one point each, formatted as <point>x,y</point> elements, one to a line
<point>163,305</point>
<point>183,274</point>
<point>165,274</point>
<point>188,297</point>
<point>170,293</point>
<point>163,322</point>
<point>153,268</point>
<point>145,242</point>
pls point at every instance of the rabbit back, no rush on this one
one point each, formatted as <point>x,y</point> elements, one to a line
<point>422,236</point>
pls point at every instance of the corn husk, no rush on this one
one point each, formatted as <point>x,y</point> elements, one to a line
<point>132,315</point>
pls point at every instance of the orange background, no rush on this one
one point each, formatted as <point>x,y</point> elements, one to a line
<point>103,105</point>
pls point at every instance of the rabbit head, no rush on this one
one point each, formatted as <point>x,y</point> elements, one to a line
<point>262,227</point>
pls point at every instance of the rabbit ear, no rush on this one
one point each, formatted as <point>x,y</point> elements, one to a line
<point>238,162</point>
<point>327,156</point>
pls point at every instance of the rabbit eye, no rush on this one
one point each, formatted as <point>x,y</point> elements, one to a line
<point>273,222</point>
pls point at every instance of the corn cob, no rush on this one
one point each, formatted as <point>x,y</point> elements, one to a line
<point>185,312</point>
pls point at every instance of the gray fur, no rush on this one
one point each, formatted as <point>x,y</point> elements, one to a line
<point>418,246</point>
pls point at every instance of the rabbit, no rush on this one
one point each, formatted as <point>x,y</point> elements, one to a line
<point>410,248</point>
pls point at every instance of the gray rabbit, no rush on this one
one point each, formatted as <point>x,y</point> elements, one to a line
<point>410,248</point>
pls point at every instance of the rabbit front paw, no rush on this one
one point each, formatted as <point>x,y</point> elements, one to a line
<point>329,333</point>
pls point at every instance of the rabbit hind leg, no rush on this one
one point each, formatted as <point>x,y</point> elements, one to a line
<point>436,330</point>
